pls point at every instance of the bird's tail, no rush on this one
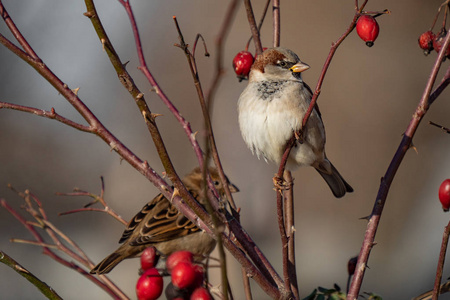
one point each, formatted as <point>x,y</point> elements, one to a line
<point>106,265</point>
<point>335,181</point>
<point>123,252</point>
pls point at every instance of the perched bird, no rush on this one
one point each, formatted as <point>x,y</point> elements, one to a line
<point>271,110</point>
<point>159,224</point>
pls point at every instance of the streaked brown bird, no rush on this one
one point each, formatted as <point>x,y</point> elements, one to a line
<point>161,225</point>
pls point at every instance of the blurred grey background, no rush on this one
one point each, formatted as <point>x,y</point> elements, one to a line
<point>367,101</point>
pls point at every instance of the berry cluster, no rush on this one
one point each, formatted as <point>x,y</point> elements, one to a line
<point>429,41</point>
<point>187,278</point>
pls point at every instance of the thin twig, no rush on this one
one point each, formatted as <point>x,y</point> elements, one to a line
<point>34,243</point>
<point>276,23</point>
<point>278,180</point>
<point>54,232</point>
<point>46,290</point>
<point>253,27</point>
<point>16,32</point>
<point>46,114</point>
<point>289,211</point>
<point>247,287</point>
<point>440,126</point>
<point>106,208</point>
<point>103,210</point>
<point>440,266</point>
<point>261,21</point>
<point>444,288</point>
<point>284,241</point>
<point>106,284</point>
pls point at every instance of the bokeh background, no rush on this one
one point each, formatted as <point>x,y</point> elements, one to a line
<point>367,101</point>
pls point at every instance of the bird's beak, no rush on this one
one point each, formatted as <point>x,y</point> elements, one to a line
<point>233,188</point>
<point>300,67</point>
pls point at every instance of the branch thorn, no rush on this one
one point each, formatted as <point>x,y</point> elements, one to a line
<point>75,91</point>
<point>89,14</point>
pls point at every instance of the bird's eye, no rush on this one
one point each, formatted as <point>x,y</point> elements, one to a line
<point>216,183</point>
<point>282,64</point>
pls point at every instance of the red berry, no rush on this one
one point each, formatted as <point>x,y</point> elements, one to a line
<point>438,41</point>
<point>149,258</point>
<point>149,285</point>
<point>242,63</point>
<point>426,41</point>
<point>444,194</point>
<point>183,275</point>
<point>367,29</point>
<point>201,294</point>
<point>199,275</point>
<point>177,257</point>
<point>351,265</point>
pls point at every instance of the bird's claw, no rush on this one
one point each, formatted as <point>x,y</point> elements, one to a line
<point>280,184</point>
<point>299,136</point>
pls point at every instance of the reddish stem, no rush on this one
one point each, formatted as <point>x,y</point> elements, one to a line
<point>253,28</point>
<point>109,287</point>
<point>17,34</point>
<point>440,266</point>
<point>288,196</point>
<point>276,23</point>
<point>261,21</point>
<point>284,241</point>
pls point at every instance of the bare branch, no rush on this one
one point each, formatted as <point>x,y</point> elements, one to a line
<point>440,266</point>
<point>105,283</point>
<point>253,27</point>
<point>387,179</point>
<point>47,114</point>
<point>42,286</point>
<point>276,23</point>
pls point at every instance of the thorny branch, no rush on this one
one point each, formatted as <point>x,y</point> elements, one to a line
<point>387,179</point>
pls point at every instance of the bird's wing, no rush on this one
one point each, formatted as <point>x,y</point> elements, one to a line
<point>158,221</point>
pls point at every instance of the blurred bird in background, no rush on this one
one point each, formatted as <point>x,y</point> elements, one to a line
<point>161,225</point>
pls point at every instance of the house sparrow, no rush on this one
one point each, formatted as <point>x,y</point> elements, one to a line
<point>271,110</point>
<point>159,224</point>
